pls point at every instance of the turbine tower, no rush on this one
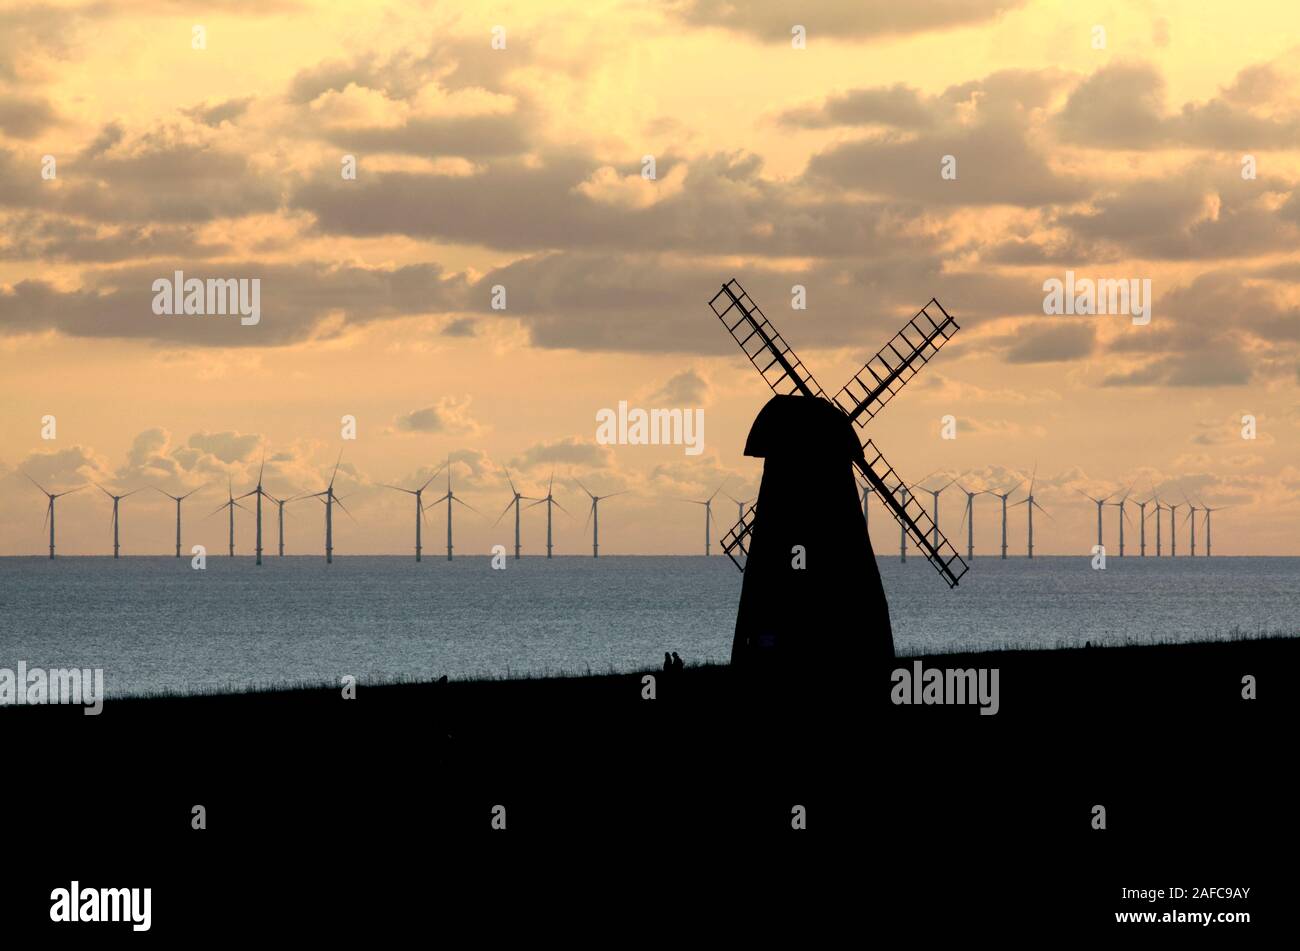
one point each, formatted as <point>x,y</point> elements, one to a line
<point>1207,510</point>
<point>1122,516</point>
<point>178,499</point>
<point>1142,524</point>
<point>902,528</point>
<point>935,493</point>
<point>279,504</point>
<point>329,499</point>
<point>1030,505</point>
<point>449,498</point>
<point>593,516</point>
<point>1160,506</point>
<point>969,518</point>
<point>49,509</point>
<point>1173,530</point>
<point>231,503</point>
<point>517,497</point>
<point>549,499</point>
<point>259,492</point>
<point>1099,503</point>
<point>1004,496</point>
<point>740,506</point>
<point>708,514</point>
<point>419,505</point>
<point>116,499</point>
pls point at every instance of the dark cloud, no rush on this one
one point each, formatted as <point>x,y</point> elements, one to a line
<point>771,20</point>
<point>897,105</point>
<point>220,112</point>
<point>36,237</point>
<point>1049,342</point>
<point>687,388</point>
<point>475,136</point>
<point>23,117</point>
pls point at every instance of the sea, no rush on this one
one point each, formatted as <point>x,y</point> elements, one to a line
<point>155,624</point>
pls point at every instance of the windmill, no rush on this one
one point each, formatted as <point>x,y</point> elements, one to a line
<point>968,518</point>
<point>1204,508</point>
<point>231,503</point>
<point>1160,506</point>
<point>1122,516</point>
<point>1173,530</point>
<point>178,499</point>
<point>259,492</point>
<point>740,506</point>
<point>516,498</point>
<point>49,509</point>
<point>419,505</point>
<point>708,515</point>
<point>1030,505</point>
<point>279,504</point>
<point>593,516</point>
<point>1191,517</point>
<point>1004,496</point>
<point>449,498</point>
<point>860,400</point>
<point>1142,525</point>
<point>549,499</point>
<point>1099,503</point>
<point>116,500</point>
<point>935,493</point>
<point>329,500</point>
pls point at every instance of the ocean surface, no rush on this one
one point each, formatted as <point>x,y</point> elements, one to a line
<point>157,624</point>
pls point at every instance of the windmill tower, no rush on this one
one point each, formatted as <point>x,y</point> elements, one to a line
<point>804,439</point>
<point>231,503</point>
<point>740,506</point>
<point>549,500</point>
<point>1099,503</point>
<point>1173,530</point>
<point>1030,505</point>
<point>419,506</point>
<point>49,508</point>
<point>935,493</point>
<point>1004,496</point>
<point>516,498</point>
<point>449,498</point>
<point>1142,526</point>
<point>1160,506</point>
<point>708,516</point>
<point>902,527</point>
<point>116,500</point>
<point>329,500</point>
<point>1123,516</point>
<point>968,519</point>
<point>593,515</point>
<point>1208,510</point>
<point>259,492</point>
<point>178,499</point>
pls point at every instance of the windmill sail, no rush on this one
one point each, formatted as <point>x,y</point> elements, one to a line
<point>762,343</point>
<point>897,362</point>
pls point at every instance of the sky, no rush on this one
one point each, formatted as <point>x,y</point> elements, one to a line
<point>881,155</point>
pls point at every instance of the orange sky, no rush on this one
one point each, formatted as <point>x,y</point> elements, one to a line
<point>522,168</point>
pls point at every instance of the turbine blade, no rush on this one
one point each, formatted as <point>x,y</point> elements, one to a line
<point>467,505</point>
<point>35,483</point>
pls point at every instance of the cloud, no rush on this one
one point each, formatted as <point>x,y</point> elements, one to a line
<point>449,415</point>
<point>687,388</point>
<point>771,20</point>
<point>1051,342</point>
<point>570,451</point>
<point>24,117</point>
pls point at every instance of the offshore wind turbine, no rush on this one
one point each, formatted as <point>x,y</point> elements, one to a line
<point>593,516</point>
<point>935,493</point>
<point>49,509</point>
<point>1142,524</point>
<point>329,499</point>
<point>116,499</point>
<point>1173,530</point>
<point>549,499</point>
<point>419,505</point>
<point>1099,503</point>
<point>1004,496</point>
<point>1030,505</point>
<point>708,514</point>
<point>969,518</point>
<point>1122,515</point>
<point>260,492</point>
<point>902,528</point>
<point>279,504</point>
<point>178,499</point>
<point>1191,517</point>
<point>449,498</point>
<point>1207,510</point>
<point>231,503</point>
<point>516,498</point>
<point>1160,506</point>
<point>740,506</point>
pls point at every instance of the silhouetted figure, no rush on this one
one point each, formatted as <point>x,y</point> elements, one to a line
<point>831,612</point>
<point>668,662</point>
<point>677,662</point>
<point>1087,643</point>
<point>442,679</point>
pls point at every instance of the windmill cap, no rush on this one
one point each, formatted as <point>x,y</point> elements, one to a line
<point>803,427</point>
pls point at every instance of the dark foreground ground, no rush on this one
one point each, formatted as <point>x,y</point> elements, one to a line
<point>917,817</point>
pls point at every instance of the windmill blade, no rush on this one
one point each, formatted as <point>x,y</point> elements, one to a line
<point>35,483</point>
<point>218,509</point>
<point>104,490</point>
<point>562,508</point>
<point>583,487</point>
<point>503,511</point>
<point>337,462</point>
<point>624,492</point>
<point>59,495</point>
<point>339,503</point>
<point>49,509</point>
<point>587,521</point>
<point>192,491</point>
<point>174,498</point>
<point>1043,510</point>
<point>468,506</point>
<point>780,366</point>
<point>897,362</point>
<point>534,505</point>
<point>238,506</point>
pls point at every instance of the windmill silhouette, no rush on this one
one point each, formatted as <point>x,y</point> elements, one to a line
<point>1208,510</point>
<point>449,498</point>
<point>260,493</point>
<point>1099,503</point>
<point>178,499</point>
<point>419,506</point>
<point>329,500</point>
<point>1123,515</point>
<point>1030,505</point>
<point>549,499</point>
<point>116,501</point>
<point>49,509</point>
<point>517,497</point>
<point>593,516</point>
<point>808,501</point>
<point>231,503</point>
<point>1004,496</point>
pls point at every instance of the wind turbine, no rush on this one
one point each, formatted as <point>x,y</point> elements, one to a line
<point>1191,517</point>
<point>279,504</point>
<point>935,494</point>
<point>49,509</point>
<point>902,528</point>
<point>1030,506</point>
<point>740,506</point>
<point>329,499</point>
<point>593,516</point>
<point>1004,496</point>
<point>708,514</point>
<point>419,505</point>
<point>1204,508</point>
<point>449,498</point>
<point>1142,522</point>
<point>116,499</point>
<point>1122,515</point>
<point>969,518</point>
<point>1099,503</point>
<point>518,497</point>
<point>232,504</point>
<point>1173,530</point>
<point>549,499</point>
<point>1160,506</point>
<point>260,492</point>
<point>178,499</point>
